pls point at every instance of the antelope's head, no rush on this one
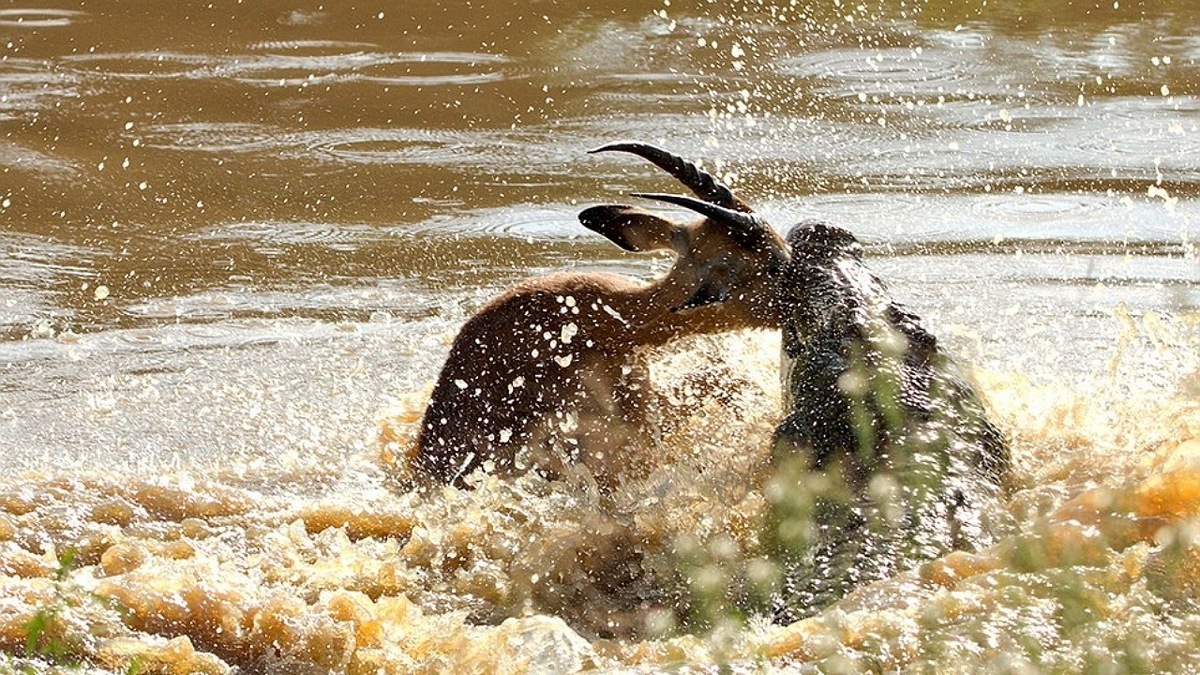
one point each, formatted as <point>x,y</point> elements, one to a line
<point>729,258</point>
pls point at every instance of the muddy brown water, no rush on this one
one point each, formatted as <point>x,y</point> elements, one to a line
<point>237,237</point>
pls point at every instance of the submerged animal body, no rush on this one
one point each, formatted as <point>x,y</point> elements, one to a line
<point>553,371</point>
<point>910,466</point>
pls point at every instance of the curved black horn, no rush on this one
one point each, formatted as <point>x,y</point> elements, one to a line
<point>704,208</point>
<point>702,183</point>
<point>746,228</point>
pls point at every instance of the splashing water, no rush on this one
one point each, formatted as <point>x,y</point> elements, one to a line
<point>283,207</point>
<point>188,573</point>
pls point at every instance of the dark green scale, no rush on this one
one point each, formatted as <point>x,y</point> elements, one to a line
<point>885,457</point>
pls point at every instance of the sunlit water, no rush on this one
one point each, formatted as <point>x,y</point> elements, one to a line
<point>235,242</point>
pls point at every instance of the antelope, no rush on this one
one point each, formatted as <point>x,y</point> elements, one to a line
<point>560,361</point>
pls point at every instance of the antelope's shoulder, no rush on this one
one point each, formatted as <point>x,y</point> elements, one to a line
<point>540,302</point>
<point>563,288</point>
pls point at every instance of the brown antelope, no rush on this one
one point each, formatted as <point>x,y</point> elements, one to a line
<point>559,361</point>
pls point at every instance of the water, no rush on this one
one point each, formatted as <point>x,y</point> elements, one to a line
<point>236,240</point>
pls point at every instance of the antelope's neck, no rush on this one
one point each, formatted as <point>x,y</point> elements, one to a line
<point>618,313</point>
<point>635,314</point>
<point>653,317</point>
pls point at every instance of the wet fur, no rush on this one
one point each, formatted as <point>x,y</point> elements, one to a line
<point>553,371</point>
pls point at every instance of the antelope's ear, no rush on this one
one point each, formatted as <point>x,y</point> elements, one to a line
<point>633,229</point>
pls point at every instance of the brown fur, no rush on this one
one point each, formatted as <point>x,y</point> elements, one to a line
<point>558,362</point>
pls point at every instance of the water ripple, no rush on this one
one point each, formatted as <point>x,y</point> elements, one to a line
<point>41,17</point>
<point>302,63</point>
<point>316,62</point>
<point>223,138</point>
<point>524,153</point>
<point>437,69</point>
<point>440,147</point>
<point>532,222</point>
<point>277,234</point>
<point>911,70</point>
<point>35,260</point>
<point>312,47</point>
<point>26,84</point>
<point>1141,132</point>
<point>395,146</point>
<point>144,65</point>
<point>409,146</point>
<point>1041,207</point>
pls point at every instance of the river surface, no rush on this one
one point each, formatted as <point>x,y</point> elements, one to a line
<point>236,239</point>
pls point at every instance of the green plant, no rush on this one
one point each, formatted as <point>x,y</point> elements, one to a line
<point>40,640</point>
